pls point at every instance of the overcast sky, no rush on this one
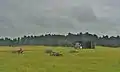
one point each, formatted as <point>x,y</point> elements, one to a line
<point>22,17</point>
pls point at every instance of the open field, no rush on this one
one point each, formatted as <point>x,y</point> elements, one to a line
<point>101,59</point>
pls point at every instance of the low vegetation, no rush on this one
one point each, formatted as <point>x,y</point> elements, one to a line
<point>34,59</point>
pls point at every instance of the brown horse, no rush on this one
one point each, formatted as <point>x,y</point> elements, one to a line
<point>20,51</point>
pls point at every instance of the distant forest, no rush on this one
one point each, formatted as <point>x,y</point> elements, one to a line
<point>61,40</point>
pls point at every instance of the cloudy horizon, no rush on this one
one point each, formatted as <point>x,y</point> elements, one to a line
<point>23,17</point>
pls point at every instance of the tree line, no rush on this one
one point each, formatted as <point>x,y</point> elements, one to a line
<point>61,40</point>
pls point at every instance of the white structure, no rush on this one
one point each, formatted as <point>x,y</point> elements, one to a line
<point>78,45</point>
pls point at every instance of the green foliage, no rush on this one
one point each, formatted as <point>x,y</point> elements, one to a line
<point>61,40</point>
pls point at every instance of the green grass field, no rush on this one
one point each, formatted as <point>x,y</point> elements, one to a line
<point>101,59</point>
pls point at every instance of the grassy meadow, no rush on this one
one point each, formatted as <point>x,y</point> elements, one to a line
<point>34,59</point>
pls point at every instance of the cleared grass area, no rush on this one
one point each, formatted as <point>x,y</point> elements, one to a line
<point>34,59</point>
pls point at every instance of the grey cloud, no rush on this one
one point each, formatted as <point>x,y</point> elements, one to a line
<point>59,16</point>
<point>53,22</point>
<point>83,14</point>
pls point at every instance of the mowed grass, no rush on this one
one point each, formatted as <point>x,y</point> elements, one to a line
<point>34,59</point>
